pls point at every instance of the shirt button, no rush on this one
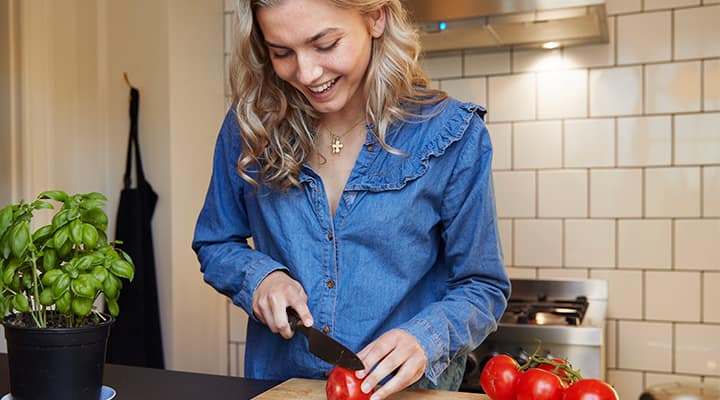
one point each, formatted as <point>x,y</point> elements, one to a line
<point>326,330</point>
<point>330,284</point>
<point>371,147</point>
<point>330,236</point>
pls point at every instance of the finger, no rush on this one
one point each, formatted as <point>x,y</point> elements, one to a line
<point>406,376</point>
<point>390,363</point>
<point>370,356</point>
<point>411,371</point>
<point>280,317</point>
<point>303,313</point>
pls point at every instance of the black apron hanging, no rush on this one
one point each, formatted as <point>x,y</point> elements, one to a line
<point>136,338</point>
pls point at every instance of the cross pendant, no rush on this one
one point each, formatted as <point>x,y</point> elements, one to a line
<point>336,145</point>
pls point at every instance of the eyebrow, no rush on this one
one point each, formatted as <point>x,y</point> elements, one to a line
<point>310,40</point>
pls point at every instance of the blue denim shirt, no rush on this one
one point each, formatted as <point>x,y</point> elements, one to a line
<point>414,244</point>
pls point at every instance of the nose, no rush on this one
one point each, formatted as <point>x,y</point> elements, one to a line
<point>308,70</point>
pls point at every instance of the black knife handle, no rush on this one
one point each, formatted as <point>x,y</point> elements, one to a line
<point>293,318</point>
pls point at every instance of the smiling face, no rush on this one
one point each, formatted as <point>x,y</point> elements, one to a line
<point>321,50</point>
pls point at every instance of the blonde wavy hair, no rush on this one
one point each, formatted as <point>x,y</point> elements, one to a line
<point>276,121</point>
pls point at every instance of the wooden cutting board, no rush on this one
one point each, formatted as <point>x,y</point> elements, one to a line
<point>311,389</point>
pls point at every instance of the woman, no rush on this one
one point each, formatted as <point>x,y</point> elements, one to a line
<point>368,197</point>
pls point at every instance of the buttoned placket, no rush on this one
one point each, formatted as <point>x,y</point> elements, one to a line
<point>325,315</point>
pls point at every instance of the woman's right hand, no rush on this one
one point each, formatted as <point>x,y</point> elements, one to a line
<point>272,297</point>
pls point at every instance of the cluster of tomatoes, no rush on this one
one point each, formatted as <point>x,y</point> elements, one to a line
<point>540,378</point>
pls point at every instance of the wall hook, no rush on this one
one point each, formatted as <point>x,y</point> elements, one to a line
<point>127,80</point>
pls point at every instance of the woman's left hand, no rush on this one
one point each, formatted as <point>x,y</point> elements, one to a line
<point>396,350</point>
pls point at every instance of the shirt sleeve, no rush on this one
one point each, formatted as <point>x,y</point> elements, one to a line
<point>222,230</point>
<point>478,286</point>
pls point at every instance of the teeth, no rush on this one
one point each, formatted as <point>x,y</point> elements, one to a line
<point>322,88</point>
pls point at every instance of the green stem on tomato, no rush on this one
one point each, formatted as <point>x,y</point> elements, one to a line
<point>571,375</point>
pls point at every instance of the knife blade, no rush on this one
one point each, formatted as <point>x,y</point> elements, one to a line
<point>325,347</point>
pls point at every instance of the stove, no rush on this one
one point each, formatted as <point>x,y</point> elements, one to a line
<point>566,316</point>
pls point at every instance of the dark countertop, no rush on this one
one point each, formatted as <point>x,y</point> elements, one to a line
<point>137,383</point>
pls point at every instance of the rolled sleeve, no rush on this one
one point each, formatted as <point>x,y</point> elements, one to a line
<point>478,286</point>
<point>222,230</point>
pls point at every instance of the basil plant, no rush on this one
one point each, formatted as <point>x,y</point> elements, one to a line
<point>57,272</point>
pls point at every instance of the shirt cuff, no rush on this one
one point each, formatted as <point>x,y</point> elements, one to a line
<point>254,275</point>
<point>436,351</point>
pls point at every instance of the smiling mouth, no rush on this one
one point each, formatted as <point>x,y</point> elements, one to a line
<point>324,87</point>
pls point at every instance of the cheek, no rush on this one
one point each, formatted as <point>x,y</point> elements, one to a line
<point>283,69</point>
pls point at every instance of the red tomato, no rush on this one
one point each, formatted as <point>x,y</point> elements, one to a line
<point>538,384</point>
<point>590,389</point>
<point>549,367</point>
<point>342,384</point>
<point>500,376</point>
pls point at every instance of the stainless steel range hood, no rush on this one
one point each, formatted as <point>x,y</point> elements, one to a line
<point>462,24</point>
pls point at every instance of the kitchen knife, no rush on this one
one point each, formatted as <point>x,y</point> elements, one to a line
<point>325,347</point>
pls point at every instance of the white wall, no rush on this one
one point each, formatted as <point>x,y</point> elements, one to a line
<point>607,165</point>
<point>73,119</point>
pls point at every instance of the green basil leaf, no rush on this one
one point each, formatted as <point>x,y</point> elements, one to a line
<point>95,196</point>
<point>50,260</point>
<point>64,251</point>
<point>57,195</point>
<point>6,247</point>
<point>49,278</point>
<point>20,239</point>
<point>42,205</point>
<point>61,218</point>
<point>42,233</point>
<point>63,302</point>
<point>81,306</point>
<point>96,217</point>
<point>61,285</point>
<point>86,285</point>
<point>113,307</point>
<point>46,297</point>
<point>111,287</point>
<point>76,231</point>
<point>61,236</point>
<point>21,303</point>
<point>122,269</point>
<point>90,203</point>
<point>5,218</point>
<point>100,273</point>
<point>89,236</point>
<point>27,280</point>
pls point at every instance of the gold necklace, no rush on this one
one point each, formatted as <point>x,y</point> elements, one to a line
<point>336,144</point>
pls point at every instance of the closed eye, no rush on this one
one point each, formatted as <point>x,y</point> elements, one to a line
<point>330,47</point>
<point>280,54</point>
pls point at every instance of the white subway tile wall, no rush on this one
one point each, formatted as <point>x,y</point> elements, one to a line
<point>644,141</point>
<point>638,44</point>
<point>589,142</point>
<point>673,87</point>
<point>562,193</point>
<point>590,243</point>
<point>614,173</point>
<point>607,166</point>
<point>645,243</point>
<point>711,88</point>
<point>645,346</point>
<point>659,306</point>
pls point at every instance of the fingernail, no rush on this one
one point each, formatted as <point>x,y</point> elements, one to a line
<point>365,388</point>
<point>360,374</point>
<point>374,397</point>
<point>308,322</point>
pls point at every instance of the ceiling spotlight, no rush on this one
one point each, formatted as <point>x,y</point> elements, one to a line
<point>551,45</point>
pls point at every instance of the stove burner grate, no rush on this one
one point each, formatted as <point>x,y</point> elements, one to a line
<point>544,311</point>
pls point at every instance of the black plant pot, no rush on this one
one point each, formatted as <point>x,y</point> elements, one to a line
<point>56,363</point>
